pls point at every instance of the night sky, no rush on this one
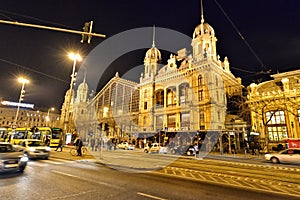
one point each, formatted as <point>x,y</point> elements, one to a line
<point>270,28</point>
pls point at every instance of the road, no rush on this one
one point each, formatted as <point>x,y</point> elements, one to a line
<point>67,177</point>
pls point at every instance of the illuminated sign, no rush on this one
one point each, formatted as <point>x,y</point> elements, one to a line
<point>16,104</point>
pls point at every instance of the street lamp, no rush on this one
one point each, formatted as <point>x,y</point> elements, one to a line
<point>48,117</point>
<point>75,58</point>
<point>23,81</point>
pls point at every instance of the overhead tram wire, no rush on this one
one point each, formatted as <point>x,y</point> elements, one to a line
<point>244,40</point>
<point>32,70</point>
<point>33,18</point>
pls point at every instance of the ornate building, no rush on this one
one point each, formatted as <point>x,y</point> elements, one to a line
<point>189,93</point>
<point>275,108</point>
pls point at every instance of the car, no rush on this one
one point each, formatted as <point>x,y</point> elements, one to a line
<point>34,148</point>
<point>126,146</point>
<point>191,150</point>
<point>155,148</point>
<point>291,155</point>
<point>11,159</point>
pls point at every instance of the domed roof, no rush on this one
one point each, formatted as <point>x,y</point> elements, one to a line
<point>207,30</point>
<point>153,53</point>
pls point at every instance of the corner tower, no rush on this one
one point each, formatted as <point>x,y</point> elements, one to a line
<point>152,59</point>
<point>204,41</point>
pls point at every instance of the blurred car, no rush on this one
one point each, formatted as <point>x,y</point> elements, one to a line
<point>191,150</point>
<point>155,148</point>
<point>291,155</point>
<point>126,146</point>
<point>34,148</point>
<point>11,159</point>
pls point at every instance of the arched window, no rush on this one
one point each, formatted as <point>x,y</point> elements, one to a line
<point>159,98</point>
<point>183,93</point>
<point>171,96</point>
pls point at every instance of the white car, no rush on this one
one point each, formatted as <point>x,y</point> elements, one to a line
<point>126,146</point>
<point>155,148</point>
<point>291,155</point>
<point>11,159</point>
<point>34,148</point>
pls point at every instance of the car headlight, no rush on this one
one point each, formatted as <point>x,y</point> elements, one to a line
<point>24,159</point>
<point>48,149</point>
<point>31,149</point>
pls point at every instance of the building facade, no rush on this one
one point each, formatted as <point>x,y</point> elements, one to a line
<point>275,108</point>
<point>189,93</point>
<point>27,117</point>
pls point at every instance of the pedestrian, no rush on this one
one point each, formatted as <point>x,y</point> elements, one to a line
<point>108,145</point>
<point>47,141</point>
<point>79,145</point>
<point>60,145</point>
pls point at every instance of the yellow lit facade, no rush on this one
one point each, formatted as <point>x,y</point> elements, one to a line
<point>275,108</point>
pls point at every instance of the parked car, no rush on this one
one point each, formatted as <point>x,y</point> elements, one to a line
<point>11,159</point>
<point>34,148</point>
<point>126,146</point>
<point>291,155</point>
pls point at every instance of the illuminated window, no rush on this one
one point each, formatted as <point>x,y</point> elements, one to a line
<point>275,117</point>
<point>276,125</point>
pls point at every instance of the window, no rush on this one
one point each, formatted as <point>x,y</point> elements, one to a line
<point>145,105</point>
<point>171,120</point>
<point>171,97</point>
<point>200,80</point>
<point>200,95</point>
<point>201,116</point>
<point>275,117</point>
<point>183,93</point>
<point>160,98</point>
<point>277,133</point>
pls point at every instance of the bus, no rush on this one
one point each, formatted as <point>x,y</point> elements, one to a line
<point>3,134</point>
<point>54,134</point>
<point>18,134</point>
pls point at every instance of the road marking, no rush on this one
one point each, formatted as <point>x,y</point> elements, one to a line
<point>85,179</point>
<point>150,196</point>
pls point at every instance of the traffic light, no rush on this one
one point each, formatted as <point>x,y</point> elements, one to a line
<point>87,28</point>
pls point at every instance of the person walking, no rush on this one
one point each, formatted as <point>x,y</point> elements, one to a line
<point>47,141</point>
<point>79,145</point>
<point>60,145</point>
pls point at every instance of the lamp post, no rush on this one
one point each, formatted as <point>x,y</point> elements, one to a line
<point>23,81</point>
<point>48,117</point>
<point>75,58</point>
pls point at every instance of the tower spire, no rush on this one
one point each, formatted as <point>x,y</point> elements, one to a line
<point>202,16</point>
<point>85,72</point>
<point>153,37</point>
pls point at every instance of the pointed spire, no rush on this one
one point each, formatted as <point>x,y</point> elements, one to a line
<point>202,16</point>
<point>85,72</point>
<point>153,37</point>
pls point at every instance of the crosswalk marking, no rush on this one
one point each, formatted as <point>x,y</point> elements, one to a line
<point>53,161</point>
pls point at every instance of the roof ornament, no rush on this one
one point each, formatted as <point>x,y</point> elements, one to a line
<point>202,18</point>
<point>153,37</point>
